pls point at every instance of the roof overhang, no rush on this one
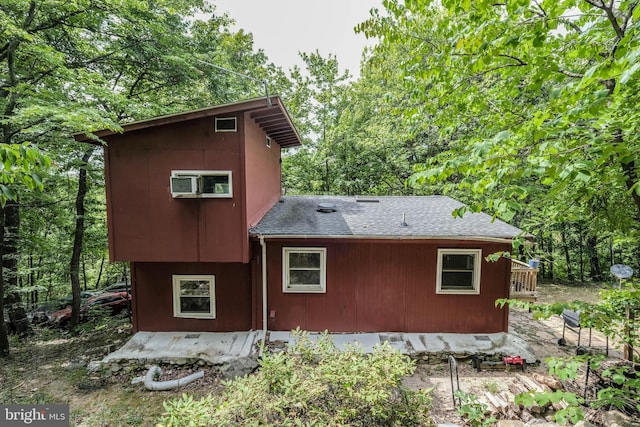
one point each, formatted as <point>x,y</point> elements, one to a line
<point>272,117</point>
<point>508,240</point>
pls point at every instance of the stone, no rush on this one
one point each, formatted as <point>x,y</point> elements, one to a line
<point>510,423</point>
<point>74,366</point>
<point>540,423</point>
<point>115,367</point>
<point>583,423</point>
<point>238,367</point>
<point>94,366</point>
<point>526,416</point>
<point>610,418</point>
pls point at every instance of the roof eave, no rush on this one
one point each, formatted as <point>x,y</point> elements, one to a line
<point>494,239</point>
<point>240,106</point>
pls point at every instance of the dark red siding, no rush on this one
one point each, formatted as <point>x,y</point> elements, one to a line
<point>147,224</point>
<point>262,172</point>
<point>388,286</point>
<point>153,297</point>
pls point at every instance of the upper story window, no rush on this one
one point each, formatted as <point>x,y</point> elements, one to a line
<point>458,271</point>
<point>304,270</point>
<point>194,296</point>
<point>268,142</point>
<point>226,124</point>
<point>191,184</point>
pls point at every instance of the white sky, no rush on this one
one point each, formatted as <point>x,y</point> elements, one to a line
<point>282,28</point>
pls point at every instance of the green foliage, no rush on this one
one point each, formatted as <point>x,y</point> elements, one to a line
<point>20,164</point>
<point>624,392</point>
<point>621,384</point>
<point>187,411</point>
<point>474,412</point>
<point>563,369</point>
<point>314,384</point>
<point>532,105</point>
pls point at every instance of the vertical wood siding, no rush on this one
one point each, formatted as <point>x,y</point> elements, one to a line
<point>148,224</point>
<point>262,172</point>
<point>153,297</point>
<point>388,286</point>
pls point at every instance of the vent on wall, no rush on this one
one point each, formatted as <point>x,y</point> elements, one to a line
<point>226,124</point>
<point>201,184</point>
<point>184,186</point>
<point>366,199</point>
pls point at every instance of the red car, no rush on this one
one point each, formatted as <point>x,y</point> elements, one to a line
<point>114,302</point>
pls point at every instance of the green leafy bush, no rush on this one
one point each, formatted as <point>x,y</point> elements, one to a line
<point>313,385</point>
<point>474,412</point>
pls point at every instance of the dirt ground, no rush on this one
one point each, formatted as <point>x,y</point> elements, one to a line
<point>49,368</point>
<point>542,336</point>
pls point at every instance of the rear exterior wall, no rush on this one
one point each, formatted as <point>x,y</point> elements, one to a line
<point>147,224</point>
<point>261,172</point>
<point>387,286</point>
<point>152,293</point>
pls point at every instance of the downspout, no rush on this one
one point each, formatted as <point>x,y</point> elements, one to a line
<point>263,246</point>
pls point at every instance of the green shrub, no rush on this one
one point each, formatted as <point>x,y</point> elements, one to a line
<point>313,385</point>
<point>474,412</point>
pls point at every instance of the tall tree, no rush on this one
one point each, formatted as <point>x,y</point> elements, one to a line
<point>536,100</point>
<point>20,164</point>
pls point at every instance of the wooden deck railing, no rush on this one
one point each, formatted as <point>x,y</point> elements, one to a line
<point>524,279</point>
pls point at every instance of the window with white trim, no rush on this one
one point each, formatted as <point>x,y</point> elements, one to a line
<point>458,271</point>
<point>304,270</point>
<point>194,296</point>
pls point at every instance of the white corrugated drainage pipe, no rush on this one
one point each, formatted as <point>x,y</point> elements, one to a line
<point>150,384</point>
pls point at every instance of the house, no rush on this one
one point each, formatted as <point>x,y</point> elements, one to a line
<point>194,205</point>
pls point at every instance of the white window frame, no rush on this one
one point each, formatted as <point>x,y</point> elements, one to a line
<point>235,121</point>
<point>268,141</point>
<point>477,253</point>
<point>177,278</point>
<point>199,174</point>
<point>321,288</point>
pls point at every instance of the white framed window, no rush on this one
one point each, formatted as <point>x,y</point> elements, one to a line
<point>194,296</point>
<point>268,142</point>
<point>304,270</point>
<point>199,183</point>
<point>216,184</point>
<point>226,124</point>
<point>458,271</point>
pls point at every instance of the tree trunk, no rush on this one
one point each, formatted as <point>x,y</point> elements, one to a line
<point>581,251</point>
<point>543,264</point>
<point>84,273</point>
<point>78,237</point>
<point>565,247</point>
<point>9,242</point>
<point>594,261</point>
<point>4,339</point>
<point>99,273</point>
<point>551,257</point>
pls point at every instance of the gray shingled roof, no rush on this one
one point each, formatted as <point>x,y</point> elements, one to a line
<point>425,216</point>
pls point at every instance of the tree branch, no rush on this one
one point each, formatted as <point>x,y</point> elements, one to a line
<point>515,58</point>
<point>627,18</point>
<point>571,74</point>
<point>608,9</point>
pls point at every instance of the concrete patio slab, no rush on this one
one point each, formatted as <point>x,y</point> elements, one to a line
<point>365,341</point>
<point>214,348</point>
<point>237,352</point>
<point>426,345</point>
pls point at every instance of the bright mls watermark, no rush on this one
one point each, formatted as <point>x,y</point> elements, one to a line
<point>34,415</point>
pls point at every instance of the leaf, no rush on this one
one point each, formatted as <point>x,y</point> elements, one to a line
<point>628,73</point>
